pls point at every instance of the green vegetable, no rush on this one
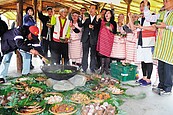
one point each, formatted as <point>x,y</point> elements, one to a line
<point>61,71</point>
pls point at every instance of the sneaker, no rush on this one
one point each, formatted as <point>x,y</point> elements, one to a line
<point>157,90</point>
<point>162,92</point>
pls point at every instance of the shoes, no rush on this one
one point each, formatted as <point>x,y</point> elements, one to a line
<point>2,80</point>
<point>26,74</point>
<point>145,83</point>
<point>140,81</point>
<point>161,91</point>
<point>31,67</point>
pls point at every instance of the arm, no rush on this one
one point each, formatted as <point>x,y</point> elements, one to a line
<point>114,31</point>
<point>41,16</point>
<point>150,28</point>
<point>149,17</point>
<point>76,30</point>
<point>21,44</point>
<point>26,18</point>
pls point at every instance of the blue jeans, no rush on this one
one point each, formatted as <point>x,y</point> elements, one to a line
<point>165,71</point>
<point>26,57</point>
<point>5,64</point>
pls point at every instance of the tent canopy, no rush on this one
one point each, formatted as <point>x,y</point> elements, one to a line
<point>8,8</point>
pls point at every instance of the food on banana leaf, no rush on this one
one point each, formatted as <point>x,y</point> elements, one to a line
<point>33,90</point>
<point>115,90</point>
<point>53,98</point>
<point>41,78</point>
<point>98,109</point>
<point>21,85</point>
<point>30,109</point>
<point>80,98</point>
<point>65,109</point>
<point>22,79</point>
<point>109,81</point>
<point>66,71</point>
<point>102,96</point>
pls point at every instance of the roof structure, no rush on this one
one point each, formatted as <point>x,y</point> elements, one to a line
<point>8,7</point>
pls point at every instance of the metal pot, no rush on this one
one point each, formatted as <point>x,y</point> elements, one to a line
<point>58,76</point>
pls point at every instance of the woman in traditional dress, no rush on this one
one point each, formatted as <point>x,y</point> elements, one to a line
<point>75,45</point>
<point>106,38</point>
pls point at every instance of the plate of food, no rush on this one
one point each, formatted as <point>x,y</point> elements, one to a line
<point>53,97</point>
<point>21,85</point>
<point>41,78</point>
<point>33,109</point>
<point>99,109</point>
<point>63,109</point>
<point>114,90</point>
<point>34,90</point>
<point>80,98</point>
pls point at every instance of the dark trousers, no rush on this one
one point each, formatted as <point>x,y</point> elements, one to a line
<point>46,45</point>
<point>86,47</point>
<point>147,69</point>
<point>165,71</point>
<point>98,60</point>
<point>59,50</point>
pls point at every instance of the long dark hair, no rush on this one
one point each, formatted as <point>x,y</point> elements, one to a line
<point>28,8</point>
<point>112,16</point>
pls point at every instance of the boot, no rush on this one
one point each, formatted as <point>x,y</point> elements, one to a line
<point>107,62</point>
<point>102,66</point>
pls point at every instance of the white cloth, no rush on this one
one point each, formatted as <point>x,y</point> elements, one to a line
<point>92,18</point>
<point>144,54</point>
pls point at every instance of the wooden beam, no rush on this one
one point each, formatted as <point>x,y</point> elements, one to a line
<point>35,9</point>
<point>19,23</point>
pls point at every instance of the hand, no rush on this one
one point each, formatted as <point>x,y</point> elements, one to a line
<point>39,8</point>
<point>84,18</point>
<point>35,52</point>
<point>66,40</point>
<point>49,25</point>
<point>111,5</point>
<point>70,10</point>
<point>98,17</point>
<point>161,25</point>
<point>130,15</point>
<point>109,27</point>
<point>145,2</point>
<point>138,26</point>
<point>53,11</point>
<point>91,26</point>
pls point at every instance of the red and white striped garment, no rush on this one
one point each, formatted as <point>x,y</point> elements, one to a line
<point>131,47</point>
<point>105,40</point>
<point>75,45</point>
<point>119,47</point>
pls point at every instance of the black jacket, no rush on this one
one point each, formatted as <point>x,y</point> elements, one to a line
<point>17,39</point>
<point>86,30</point>
<point>45,19</point>
<point>3,27</point>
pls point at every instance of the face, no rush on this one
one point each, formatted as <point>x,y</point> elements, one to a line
<point>49,12</point>
<point>142,7</point>
<point>168,4</point>
<point>121,18</point>
<point>82,11</point>
<point>92,10</point>
<point>108,15</point>
<point>135,17</point>
<point>30,12</point>
<point>63,14</point>
<point>29,37</point>
<point>75,16</point>
<point>103,13</point>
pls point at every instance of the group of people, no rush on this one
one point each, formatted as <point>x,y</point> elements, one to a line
<point>72,35</point>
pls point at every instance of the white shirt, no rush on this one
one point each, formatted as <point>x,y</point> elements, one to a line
<point>92,18</point>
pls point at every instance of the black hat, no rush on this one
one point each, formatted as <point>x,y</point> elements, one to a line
<point>49,8</point>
